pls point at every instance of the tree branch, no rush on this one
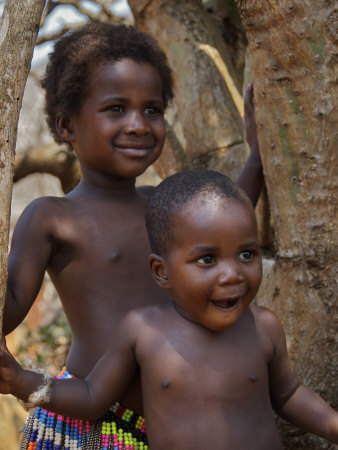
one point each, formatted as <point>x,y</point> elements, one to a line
<point>53,159</point>
<point>103,15</point>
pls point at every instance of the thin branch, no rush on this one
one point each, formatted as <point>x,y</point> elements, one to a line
<point>104,11</point>
<point>47,37</point>
<point>104,15</point>
<point>49,7</point>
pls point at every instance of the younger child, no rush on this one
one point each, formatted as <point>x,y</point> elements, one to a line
<point>107,88</point>
<point>213,368</point>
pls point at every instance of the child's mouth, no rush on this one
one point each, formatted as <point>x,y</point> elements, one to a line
<point>226,304</point>
<point>134,152</point>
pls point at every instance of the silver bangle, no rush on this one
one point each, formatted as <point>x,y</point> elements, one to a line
<point>43,392</point>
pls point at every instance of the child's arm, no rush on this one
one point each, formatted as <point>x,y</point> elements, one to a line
<point>84,399</point>
<point>308,411</point>
<point>13,378</point>
<point>30,251</point>
<point>293,401</point>
<point>251,177</point>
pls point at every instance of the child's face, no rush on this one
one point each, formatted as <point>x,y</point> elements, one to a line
<point>214,266</point>
<point>120,128</point>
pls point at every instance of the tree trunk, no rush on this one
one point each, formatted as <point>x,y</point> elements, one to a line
<point>293,48</point>
<point>19,26</point>
<point>208,86</point>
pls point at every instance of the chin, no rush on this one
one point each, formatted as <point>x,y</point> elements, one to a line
<point>222,325</point>
<point>217,326</point>
<point>134,173</point>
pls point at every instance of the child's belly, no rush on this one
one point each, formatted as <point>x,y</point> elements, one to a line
<point>211,426</point>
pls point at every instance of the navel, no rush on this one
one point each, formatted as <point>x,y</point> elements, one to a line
<point>165,383</point>
<point>115,256</point>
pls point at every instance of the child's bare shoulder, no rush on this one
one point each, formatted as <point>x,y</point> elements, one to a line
<point>43,218</point>
<point>44,210</point>
<point>148,320</point>
<point>267,322</point>
<point>145,329</point>
<point>47,204</point>
<point>151,314</point>
<point>263,314</point>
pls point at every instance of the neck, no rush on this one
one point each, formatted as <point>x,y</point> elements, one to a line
<point>106,185</point>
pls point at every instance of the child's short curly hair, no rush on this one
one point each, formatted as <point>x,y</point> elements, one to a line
<point>175,192</point>
<point>77,53</point>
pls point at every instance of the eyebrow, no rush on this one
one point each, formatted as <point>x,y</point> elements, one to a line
<point>203,248</point>
<point>250,244</point>
<point>115,99</point>
<point>108,100</point>
<point>208,248</point>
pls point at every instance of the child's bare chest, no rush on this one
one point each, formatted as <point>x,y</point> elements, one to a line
<point>227,376</point>
<point>102,237</point>
<point>222,371</point>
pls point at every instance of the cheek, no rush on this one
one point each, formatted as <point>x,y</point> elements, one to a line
<point>199,286</point>
<point>254,277</point>
<point>160,131</point>
<point>187,281</point>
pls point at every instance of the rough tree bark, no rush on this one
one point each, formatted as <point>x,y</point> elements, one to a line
<point>208,86</point>
<point>19,26</point>
<point>293,47</point>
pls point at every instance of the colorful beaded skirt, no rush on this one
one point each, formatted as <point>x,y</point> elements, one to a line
<point>118,429</point>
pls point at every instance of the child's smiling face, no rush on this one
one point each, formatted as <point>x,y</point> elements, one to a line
<point>214,265</point>
<point>120,129</point>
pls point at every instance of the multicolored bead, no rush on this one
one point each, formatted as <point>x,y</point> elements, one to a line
<point>118,429</point>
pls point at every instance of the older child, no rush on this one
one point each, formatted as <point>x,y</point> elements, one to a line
<point>212,367</point>
<point>107,88</point>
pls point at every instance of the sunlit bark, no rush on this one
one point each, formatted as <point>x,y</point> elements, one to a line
<point>19,26</point>
<point>293,49</point>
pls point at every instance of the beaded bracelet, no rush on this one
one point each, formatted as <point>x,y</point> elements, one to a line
<point>43,392</point>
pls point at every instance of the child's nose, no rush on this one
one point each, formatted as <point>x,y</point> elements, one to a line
<point>230,274</point>
<point>136,123</point>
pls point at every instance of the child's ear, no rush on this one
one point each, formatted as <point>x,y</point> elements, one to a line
<point>158,269</point>
<point>64,128</point>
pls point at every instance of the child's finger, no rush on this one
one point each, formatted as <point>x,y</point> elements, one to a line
<point>5,355</point>
<point>248,97</point>
<point>3,345</point>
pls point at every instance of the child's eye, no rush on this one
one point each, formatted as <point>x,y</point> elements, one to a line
<point>246,255</point>
<point>115,108</point>
<point>153,110</point>
<point>206,260</point>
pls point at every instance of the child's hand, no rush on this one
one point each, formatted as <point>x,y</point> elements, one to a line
<point>10,369</point>
<point>251,177</point>
<point>250,121</point>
